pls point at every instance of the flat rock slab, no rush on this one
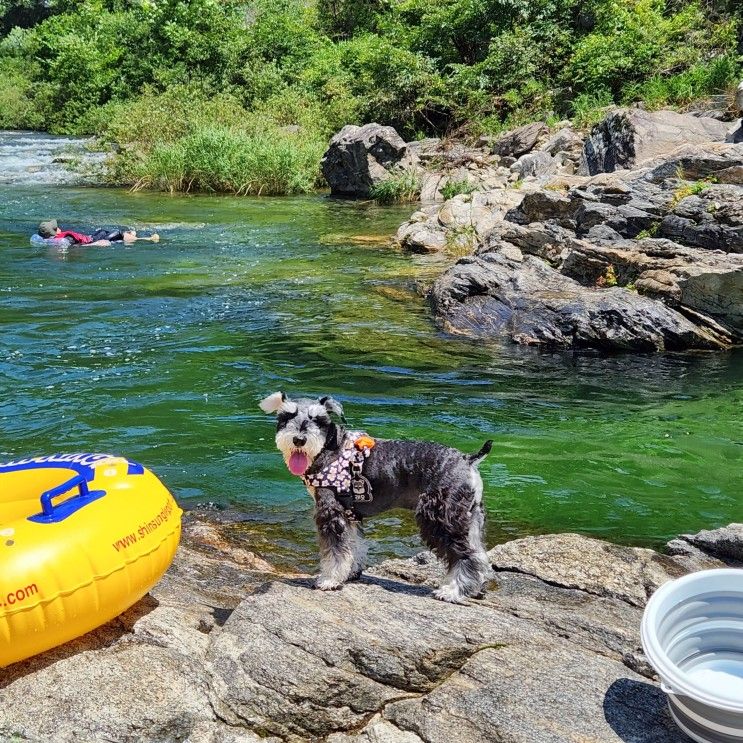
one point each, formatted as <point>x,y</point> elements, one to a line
<point>222,654</point>
<point>297,662</point>
<point>528,693</point>
<point>630,574</point>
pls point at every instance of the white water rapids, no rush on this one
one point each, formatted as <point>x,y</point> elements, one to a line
<point>32,158</point>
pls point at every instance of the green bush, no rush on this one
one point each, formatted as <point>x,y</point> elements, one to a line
<point>638,39</point>
<point>152,75</point>
<point>589,108</point>
<point>181,140</point>
<point>704,79</point>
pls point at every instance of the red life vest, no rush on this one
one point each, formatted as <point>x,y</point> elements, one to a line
<point>78,237</point>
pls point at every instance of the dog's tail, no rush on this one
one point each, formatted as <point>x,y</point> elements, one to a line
<point>475,459</point>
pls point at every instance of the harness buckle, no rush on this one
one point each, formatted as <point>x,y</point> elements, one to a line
<point>361,489</point>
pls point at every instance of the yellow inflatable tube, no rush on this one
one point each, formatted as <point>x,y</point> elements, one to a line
<point>82,538</point>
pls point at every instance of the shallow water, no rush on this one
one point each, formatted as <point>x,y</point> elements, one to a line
<point>161,353</point>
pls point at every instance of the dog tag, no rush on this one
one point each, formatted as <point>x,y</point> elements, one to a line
<point>361,487</point>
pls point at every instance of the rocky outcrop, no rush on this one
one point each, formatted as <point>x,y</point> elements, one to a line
<point>359,157</point>
<point>220,652</point>
<point>550,270</point>
<point>724,544</point>
<point>629,136</point>
<point>457,225</point>
<point>711,219</point>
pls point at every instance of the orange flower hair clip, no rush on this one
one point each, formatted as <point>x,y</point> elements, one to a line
<point>364,442</point>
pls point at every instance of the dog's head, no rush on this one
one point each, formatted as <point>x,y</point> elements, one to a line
<point>304,428</point>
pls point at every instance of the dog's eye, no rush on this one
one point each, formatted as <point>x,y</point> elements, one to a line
<point>283,418</point>
<point>321,420</point>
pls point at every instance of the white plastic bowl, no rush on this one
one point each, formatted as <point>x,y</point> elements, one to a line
<point>692,634</point>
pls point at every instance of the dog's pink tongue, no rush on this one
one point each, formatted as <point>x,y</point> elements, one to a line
<point>298,463</point>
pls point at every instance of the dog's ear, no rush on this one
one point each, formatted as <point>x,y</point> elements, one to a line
<point>332,442</point>
<point>333,406</point>
<point>272,403</point>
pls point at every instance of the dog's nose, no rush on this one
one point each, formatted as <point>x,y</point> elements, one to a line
<point>299,441</point>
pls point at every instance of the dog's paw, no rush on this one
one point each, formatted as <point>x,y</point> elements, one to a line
<point>450,595</point>
<point>356,575</point>
<point>325,584</point>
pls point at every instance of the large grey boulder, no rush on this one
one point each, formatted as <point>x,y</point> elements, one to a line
<point>566,141</point>
<point>360,157</point>
<point>535,164</point>
<point>629,136</point>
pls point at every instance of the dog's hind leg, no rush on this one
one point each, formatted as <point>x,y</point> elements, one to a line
<point>451,526</point>
<point>337,539</point>
<point>476,535</point>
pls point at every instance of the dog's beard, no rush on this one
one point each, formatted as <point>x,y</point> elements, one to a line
<point>299,458</point>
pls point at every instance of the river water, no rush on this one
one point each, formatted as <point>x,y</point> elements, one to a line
<point>162,352</point>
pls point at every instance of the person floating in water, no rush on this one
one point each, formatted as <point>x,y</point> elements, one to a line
<point>100,237</point>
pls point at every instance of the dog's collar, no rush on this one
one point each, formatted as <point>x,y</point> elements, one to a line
<point>343,474</point>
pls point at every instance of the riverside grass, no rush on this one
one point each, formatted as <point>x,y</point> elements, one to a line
<point>218,159</point>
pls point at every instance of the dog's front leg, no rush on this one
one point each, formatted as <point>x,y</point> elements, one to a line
<point>337,537</point>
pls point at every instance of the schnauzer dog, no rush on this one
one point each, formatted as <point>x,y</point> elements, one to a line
<point>351,476</point>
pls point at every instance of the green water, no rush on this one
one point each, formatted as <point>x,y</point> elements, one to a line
<point>161,353</point>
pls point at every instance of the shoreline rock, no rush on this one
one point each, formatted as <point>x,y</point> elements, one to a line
<point>360,157</point>
<point>647,259</point>
<point>220,651</point>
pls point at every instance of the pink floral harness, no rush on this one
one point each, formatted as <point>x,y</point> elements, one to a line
<point>343,474</point>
